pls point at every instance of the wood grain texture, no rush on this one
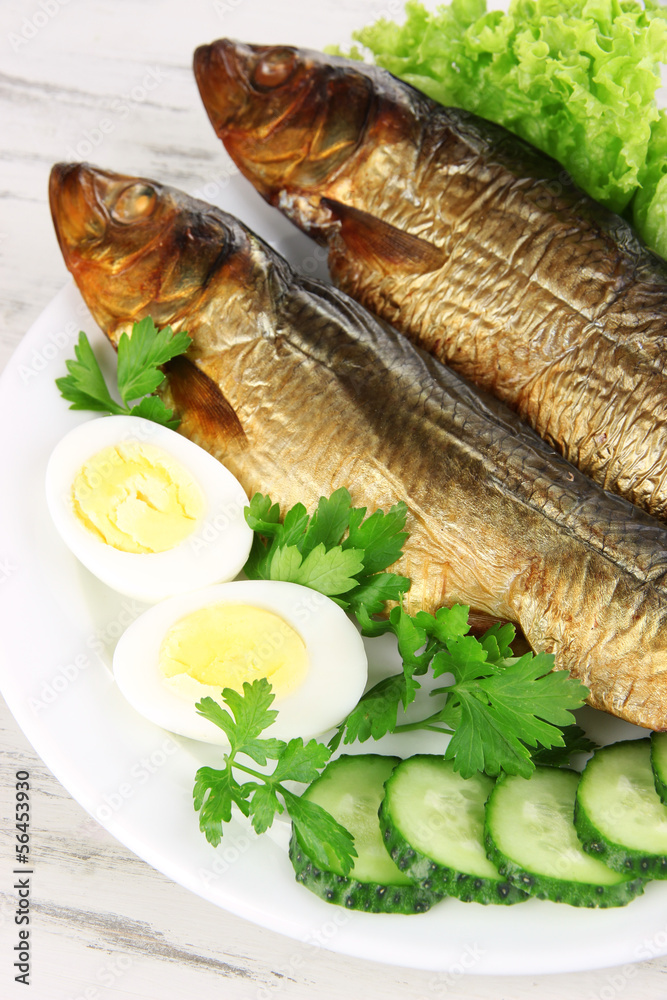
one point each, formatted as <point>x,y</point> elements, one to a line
<point>105,924</point>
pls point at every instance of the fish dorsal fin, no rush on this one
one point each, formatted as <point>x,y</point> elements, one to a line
<point>206,416</point>
<point>392,248</point>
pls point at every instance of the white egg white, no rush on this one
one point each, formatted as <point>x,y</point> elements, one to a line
<point>217,548</point>
<point>334,682</point>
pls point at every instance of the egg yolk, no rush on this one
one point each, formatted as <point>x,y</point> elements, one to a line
<point>223,645</point>
<point>137,498</point>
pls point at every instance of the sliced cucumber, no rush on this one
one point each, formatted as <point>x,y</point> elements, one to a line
<point>351,789</point>
<point>619,816</point>
<point>432,821</point>
<point>659,764</point>
<point>530,835</point>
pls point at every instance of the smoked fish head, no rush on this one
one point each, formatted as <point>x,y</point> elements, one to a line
<point>139,248</point>
<point>277,110</point>
<point>136,247</point>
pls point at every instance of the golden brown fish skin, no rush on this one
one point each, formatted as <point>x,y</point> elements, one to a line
<point>322,395</point>
<point>539,295</point>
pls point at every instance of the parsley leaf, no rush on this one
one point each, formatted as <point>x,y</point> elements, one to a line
<point>497,641</point>
<point>574,741</point>
<point>140,356</point>
<point>464,657</point>
<point>331,572</point>
<point>217,790</point>
<point>329,522</point>
<point>214,793</point>
<point>336,550</point>
<point>322,837</point>
<point>264,806</point>
<point>301,762</point>
<point>139,359</point>
<point>251,713</point>
<point>375,714</point>
<point>372,592</point>
<point>498,708</point>
<point>381,536</point>
<point>481,743</point>
<point>504,709</point>
<point>85,387</point>
<point>263,516</point>
<point>449,623</point>
<point>153,408</point>
<point>530,697</point>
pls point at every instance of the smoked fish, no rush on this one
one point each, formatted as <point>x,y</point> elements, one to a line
<point>468,240</point>
<point>299,391</point>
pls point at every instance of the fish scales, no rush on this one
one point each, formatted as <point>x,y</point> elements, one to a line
<point>318,394</point>
<point>540,295</point>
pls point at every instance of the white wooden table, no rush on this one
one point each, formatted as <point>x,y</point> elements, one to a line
<point>111,82</point>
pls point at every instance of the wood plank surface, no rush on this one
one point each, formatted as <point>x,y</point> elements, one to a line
<point>110,81</point>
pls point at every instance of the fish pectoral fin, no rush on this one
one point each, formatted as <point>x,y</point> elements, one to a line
<point>369,237</point>
<point>206,415</point>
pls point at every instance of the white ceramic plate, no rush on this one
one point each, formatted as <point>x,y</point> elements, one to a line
<point>59,626</point>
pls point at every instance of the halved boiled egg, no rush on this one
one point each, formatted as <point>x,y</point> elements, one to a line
<point>197,644</point>
<point>146,510</point>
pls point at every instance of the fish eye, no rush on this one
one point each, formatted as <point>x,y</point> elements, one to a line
<point>134,203</point>
<point>274,69</point>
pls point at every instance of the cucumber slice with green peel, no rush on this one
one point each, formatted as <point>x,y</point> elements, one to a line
<point>432,821</point>
<point>659,763</point>
<point>619,816</point>
<point>351,790</point>
<point>531,837</point>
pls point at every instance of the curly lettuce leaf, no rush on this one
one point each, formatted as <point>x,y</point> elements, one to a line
<point>578,80</point>
<point>649,205</point>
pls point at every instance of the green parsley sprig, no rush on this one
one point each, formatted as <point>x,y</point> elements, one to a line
<point>217,790</point>
<point>503,712</point>
<point>499,707</point>
<point>575,741</point>
<point>139,374</point>
<point>337,550</point>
